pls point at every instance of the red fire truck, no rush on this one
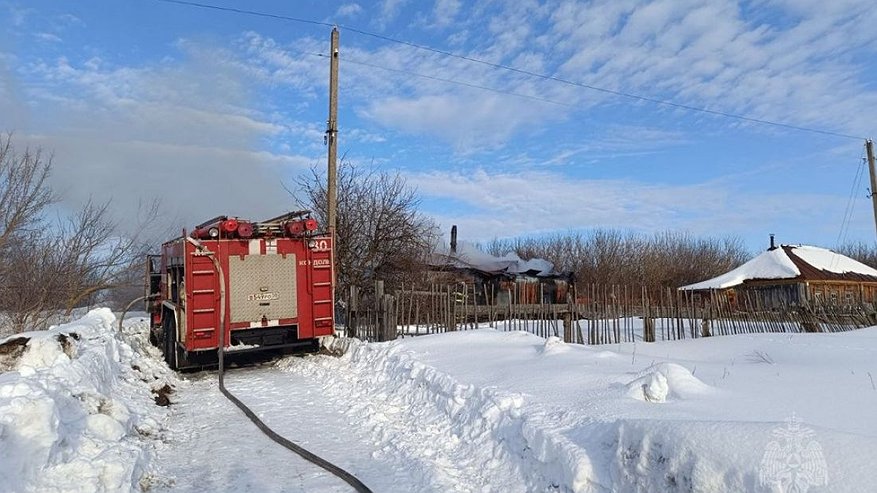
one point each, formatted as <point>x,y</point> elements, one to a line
<point>267,285</point>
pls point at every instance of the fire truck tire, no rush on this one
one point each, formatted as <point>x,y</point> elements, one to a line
<point>169,338</point>
<point>175,357</point>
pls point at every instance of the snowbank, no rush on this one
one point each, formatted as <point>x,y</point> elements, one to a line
<point>477,410</point>
<point>77,409</point>
<point>717,414</point>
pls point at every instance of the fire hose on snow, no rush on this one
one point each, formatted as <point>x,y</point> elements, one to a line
<point>304,453</point>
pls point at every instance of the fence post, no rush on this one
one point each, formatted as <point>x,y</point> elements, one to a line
<point>380,314</point>
<point>567,326</point>
<point>648,329</point>
<point>388,319</point>
<point>352,309</point>
<point>452,309</point>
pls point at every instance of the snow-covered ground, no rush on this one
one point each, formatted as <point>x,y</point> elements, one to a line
<point>478,410</point>
<point>211,446</point>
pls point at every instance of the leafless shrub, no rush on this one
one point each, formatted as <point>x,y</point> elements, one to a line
<point>380,233</point>
<point>49,267</point>
<point>69,264</point>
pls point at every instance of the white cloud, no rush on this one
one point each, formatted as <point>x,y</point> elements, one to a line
<point>469,119</point>
<point>361,135</point>
<point>48,37</point>
<point>348,10</point>
<point>19,15</point>
<point>704,53</point>
<point>68,19</point>
<point>794,61</point>
<point>445,11</point>
<point>613,142</point>
<point>463,121</point>
<point>299,68</point>
<point>697,52</point>
<point>389,11</point>
<point>513,204</point>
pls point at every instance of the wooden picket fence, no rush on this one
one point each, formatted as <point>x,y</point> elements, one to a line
<point>593,314</point>
<point>371,314</point>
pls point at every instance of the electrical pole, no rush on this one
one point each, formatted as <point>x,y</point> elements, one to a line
<point>332,142</point>
<point>332,134</point>
<point>869,149</point>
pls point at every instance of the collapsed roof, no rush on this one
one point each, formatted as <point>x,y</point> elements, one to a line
<point>468,257</point>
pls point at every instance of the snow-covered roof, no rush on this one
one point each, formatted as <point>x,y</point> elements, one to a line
<point>469,256</point>
<point>788,262</point>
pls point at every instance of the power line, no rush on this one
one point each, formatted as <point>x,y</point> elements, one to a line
<point>442,79</point>
<point>248,12</point>
<point>457,82</point>
<point>851,203</point>
<point>529,73</point>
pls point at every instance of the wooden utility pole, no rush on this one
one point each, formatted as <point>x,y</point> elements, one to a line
<point>332,133</point>
<point>332,142</point>
<point>869,149</point>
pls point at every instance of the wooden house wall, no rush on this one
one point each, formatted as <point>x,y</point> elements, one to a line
<point>763,295</point>
<point>842,293</point>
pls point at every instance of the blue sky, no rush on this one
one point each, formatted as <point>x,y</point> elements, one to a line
<point>217,113</point>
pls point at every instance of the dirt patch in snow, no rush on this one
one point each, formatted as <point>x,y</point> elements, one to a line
<point>334,351</point>
<point>11,351</point>
<point>162,395</point>
<point>66,345</point>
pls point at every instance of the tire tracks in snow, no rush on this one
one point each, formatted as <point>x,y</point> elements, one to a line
<point>214,447</point>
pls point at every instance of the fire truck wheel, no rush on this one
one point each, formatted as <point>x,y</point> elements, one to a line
<point>170,340</point>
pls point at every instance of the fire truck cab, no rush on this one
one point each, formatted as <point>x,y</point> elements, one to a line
<point>267,284</point>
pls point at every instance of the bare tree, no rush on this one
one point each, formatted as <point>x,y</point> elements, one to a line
<point>612,257</point>
<point>24,194</point>
<point>73,263</point>
<point>672,259</point>
<point>96,258</point>
<point>865,253</point>
<point>47,268</point>
<point>380,233</point>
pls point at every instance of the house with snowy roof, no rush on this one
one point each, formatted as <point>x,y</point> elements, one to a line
<point>793,275</point>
